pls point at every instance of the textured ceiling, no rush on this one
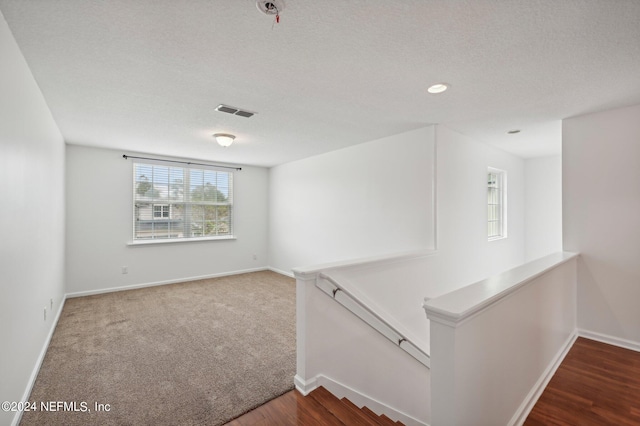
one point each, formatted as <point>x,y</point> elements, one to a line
<point>146,75</point>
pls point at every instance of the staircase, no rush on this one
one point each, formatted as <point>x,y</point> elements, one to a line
<point>319,408</point>
<point>348,413</point>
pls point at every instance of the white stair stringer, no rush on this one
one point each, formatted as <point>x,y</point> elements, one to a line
<point>361,400</point>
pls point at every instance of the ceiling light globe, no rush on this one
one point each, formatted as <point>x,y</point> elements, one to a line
<point>224,139</point>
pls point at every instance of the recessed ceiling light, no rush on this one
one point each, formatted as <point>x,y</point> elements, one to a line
<point>438,88</point>
<point>513,132</point>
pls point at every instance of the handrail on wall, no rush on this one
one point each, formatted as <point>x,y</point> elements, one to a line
<point>333,289</point>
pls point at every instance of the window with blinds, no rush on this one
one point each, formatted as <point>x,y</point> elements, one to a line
<point>181,202</point>
<point>496,204</point>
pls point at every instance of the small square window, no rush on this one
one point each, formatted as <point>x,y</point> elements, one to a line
<point>160,211</point>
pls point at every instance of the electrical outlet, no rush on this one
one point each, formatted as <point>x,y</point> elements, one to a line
<point>125,269</point>
<point>45,313</point>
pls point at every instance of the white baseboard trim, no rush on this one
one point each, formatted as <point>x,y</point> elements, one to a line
<point>611,340</point>
<point>157,283</point>
<point>281,271</point>
<point>343,391</point>
<point>305,387</point>
<point>36,368</point>
<point>530,400</point>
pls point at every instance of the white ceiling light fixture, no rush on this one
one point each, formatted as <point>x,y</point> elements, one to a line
<point>438,88</point>
<point>224,139</point>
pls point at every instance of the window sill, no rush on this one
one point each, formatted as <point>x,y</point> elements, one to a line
<point>497,238</point>
<point>177,240</point>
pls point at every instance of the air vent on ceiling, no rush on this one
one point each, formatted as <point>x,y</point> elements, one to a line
<point>235,111</point>
<point>244,113</point>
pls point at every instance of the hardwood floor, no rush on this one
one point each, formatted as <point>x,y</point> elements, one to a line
<point>596,384</point>
<point>319,408</point>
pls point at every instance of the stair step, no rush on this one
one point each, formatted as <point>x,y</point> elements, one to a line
<point>315,413</point>
<point>380,420</point>
<point>318,408</point>
<point>348,414</point>
<point>387,421</point>
<point>372,418</point>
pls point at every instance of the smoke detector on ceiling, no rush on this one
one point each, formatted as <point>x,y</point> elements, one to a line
<point>270,7</point>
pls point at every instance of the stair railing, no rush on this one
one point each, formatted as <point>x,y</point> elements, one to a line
<point>330,287</point>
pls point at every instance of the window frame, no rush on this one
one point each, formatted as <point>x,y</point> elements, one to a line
<point>500,201</point>
<point>168,204</point>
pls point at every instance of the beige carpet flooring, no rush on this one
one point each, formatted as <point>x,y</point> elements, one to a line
<point>196,353</point>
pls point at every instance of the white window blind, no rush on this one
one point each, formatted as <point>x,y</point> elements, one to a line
<point>496,204</point>
<point>181,202</point>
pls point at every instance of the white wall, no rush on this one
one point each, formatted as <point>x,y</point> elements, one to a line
<point>32,218</point>
<point>99,225</point>
<point>494,344</point>
<point>543,206</point>
<point>368,199</point>
<point>465,254</point>
<point>340,205</point>
<point>601,218</point>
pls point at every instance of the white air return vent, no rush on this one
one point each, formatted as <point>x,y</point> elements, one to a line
<point>235,111</point>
